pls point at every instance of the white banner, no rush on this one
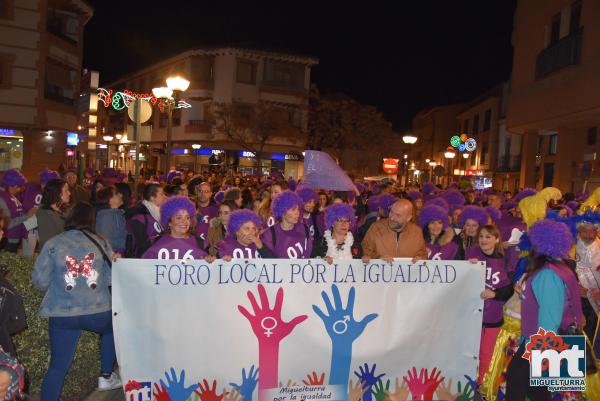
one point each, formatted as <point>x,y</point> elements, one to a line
<point>293,330</point>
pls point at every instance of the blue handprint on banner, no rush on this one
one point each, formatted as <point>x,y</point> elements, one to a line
<point>176,389</point>
<point>246,388</point>
<point>368,379</point>
<point>343,330</point>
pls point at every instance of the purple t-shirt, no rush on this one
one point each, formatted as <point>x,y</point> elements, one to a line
<point>204,216</point>
<point>292,244</point>
<point>231,247</point>
<point>496,276</point>
<point>16,210</point>
<point>31,197</point>
<point>442,252</point>
<point>169,248</point>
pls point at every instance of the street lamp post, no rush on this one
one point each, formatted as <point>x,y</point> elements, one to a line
<point>196,146</point>
<point>449,155</point>
<point>171,94</point>
<point>408,139</point>
<point>108,139</point>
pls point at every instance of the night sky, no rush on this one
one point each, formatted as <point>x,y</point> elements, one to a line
<point>400,56</point>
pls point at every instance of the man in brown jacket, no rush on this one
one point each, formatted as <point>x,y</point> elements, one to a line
<point>396,236</point>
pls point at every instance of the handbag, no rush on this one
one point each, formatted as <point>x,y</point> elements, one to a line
<point>574,330</point>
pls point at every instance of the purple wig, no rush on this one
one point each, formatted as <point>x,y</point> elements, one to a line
<point>306,193</point>
<point>494,213</point>
<point>48,175</point>
<point>173,205</point>
<point>90,171</point>
<point>488,191</point>
<point>551,238</point>
<point>266,184</point>
<point>511,204</point>
<point>431,213</point>
<point>428,188</point>
<point>573,205</point>
<point>524,194</point>
<point>453,185</point>
<point>285,201</point>
<point>376,189</point>
<point>121,177</point>
<point>13,177</point>
<point>414,195</point>
<point>373,203</point>
<point>109,172</point>
<point>439,202</point>
<point>339,211</point>
<point>386,201</point>
<point>454,197</point>
<point>474,213</point>
<point>292,184</point>
<point>219,196</point>
<point>240,217</point>
<point>359,186</point>
<point>172,174</point>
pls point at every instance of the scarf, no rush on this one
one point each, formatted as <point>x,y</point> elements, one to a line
<point>339,251</point>
<point>153,209</point>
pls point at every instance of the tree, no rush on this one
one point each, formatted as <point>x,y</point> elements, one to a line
<point>253,126</point>
<point>339,123</point>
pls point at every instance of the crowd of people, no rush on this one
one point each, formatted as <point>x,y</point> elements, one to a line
<point>541,248</point>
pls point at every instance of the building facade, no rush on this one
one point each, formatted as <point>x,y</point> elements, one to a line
<point>249,107</point>
<point>41,48</point>
<point>554,98</point>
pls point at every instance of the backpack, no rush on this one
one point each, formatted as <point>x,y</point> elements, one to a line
<point>13,318</point>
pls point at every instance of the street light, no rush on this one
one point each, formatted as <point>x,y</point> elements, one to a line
<point>171,93</point>
<point>408,139</point>
<point>449,154</point>
<point>196,146</point>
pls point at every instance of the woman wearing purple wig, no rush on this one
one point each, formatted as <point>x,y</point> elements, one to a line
<point>550,300</point>
<point>177,243</point>
<point>13,183</point>
<point>471,218</point>
<point>243,241</point>
<point>289,238</point>
<point>337,241</point>
<point>438,236</point>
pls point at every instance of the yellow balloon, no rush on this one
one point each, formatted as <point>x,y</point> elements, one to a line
<point>463,137</point>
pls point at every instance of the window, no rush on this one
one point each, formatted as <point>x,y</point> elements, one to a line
<point>7,9</point>
<point>246,72</point>
<point>63,24</point>
<point>466,127</point>
<point>59,82</point>
<point>484,151</point>
<point>555,29</point>
<point>553,139</point>
<point>6,61</point>
<point>575,17</point>
<point>591,135</point>
<point>284,75</point>
<point>476,124</point>
<point>487,120</point>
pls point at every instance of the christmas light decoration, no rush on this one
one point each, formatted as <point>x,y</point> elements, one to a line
<point>122,99</point>
<point>463,143</point>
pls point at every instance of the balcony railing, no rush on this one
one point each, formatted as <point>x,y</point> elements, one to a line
<point>508,163</point>
<point>198,126</point>
<point>563,53</point>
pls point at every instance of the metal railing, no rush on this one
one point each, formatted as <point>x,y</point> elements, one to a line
<point>563,53</point>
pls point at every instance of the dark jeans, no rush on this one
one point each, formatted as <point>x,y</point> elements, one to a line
<point>517,381</point>
<point>64,336</point>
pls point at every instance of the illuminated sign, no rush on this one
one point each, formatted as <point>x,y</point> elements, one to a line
<point>72,139</point>
<point>292,157</point>
<point>247,154</point>
<point>7,131</point>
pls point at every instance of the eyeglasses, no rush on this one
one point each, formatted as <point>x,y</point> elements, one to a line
<point>342,221</point>
<point>205,191</point>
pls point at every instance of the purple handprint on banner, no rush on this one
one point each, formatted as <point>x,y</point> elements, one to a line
<point>176,388</point>
<point>368,378</point>
<point>248,384</point>
<point>343,330</point>
<point>270,329</point>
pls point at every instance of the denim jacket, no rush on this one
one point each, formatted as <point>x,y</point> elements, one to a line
<point>110,223</point>
<point>72,271</point>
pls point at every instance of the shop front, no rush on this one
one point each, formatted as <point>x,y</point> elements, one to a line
<point>478,179</point>
<point>11,149</point>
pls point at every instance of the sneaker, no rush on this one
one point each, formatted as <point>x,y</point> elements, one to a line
<point>113,382</point>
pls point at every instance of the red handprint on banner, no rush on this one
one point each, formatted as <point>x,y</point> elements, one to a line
<point>269,328</point>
